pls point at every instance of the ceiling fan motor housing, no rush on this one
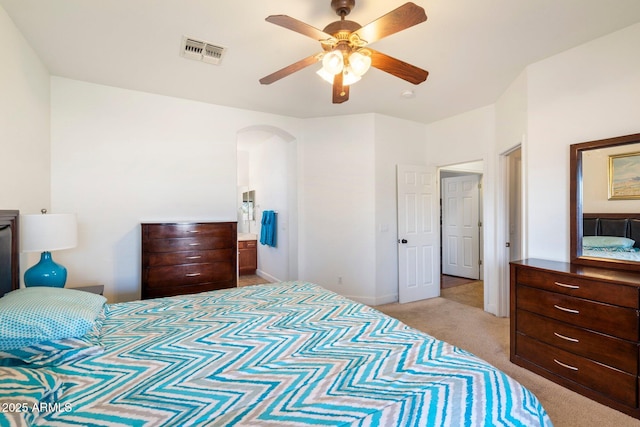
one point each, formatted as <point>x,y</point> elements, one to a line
<point>343,7</point>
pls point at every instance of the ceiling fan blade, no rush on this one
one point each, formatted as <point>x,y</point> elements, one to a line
<point>296,66</point>
<point>298,26</point>
<point>340,92</point>
<point>398,68</point>
<point>398,19</point>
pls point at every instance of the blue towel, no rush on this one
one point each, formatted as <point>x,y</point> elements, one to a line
<point>268,229</point>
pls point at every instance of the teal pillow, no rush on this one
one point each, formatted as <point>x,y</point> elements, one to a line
<point>607,242</point>
<point>32,315</point>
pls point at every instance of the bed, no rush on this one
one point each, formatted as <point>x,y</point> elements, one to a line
<point>280,354</point>
<point>613,236</point>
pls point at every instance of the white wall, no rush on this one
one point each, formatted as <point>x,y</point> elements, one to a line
<point>396,142</point>
<point>337,205</point>
<point>24,128</point>
<point>587,93</point>
<point>511,115</point>
<point>120,157</point>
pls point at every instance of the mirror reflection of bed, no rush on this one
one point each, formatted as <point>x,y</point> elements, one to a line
<point>612,236</point>
<point>602,214</point>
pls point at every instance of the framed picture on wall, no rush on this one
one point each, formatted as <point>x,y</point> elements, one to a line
<point>624,176</point>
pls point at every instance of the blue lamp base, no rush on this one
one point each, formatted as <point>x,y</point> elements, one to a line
<point>46,273</point>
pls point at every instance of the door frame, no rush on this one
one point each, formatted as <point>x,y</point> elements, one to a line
<point>502,217</point>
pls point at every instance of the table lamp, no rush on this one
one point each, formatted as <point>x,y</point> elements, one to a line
<point>46,233</point>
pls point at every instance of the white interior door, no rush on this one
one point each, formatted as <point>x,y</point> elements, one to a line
<point>460,227</point>
<point>418,233</point>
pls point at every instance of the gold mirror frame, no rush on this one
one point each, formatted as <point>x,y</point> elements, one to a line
<point>575,167</point>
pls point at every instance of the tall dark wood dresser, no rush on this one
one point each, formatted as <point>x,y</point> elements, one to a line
<point>579,327</point>
<point>188,257</point>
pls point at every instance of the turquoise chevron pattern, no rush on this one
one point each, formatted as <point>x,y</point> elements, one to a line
<point>284,354</point>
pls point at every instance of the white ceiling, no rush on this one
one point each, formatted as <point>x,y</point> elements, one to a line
<point>473,49</point>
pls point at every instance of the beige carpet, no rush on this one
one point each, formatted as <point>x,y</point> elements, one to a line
<point>470,294</point>
<point>487,336</point>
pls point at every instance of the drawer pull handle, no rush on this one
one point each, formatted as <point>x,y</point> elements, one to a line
<point>194,244</point>
<point>192,274</point>
<point>564,285</point>
<point>568,310</point>
<point>192,231</point>
<point>194,257</point>
<point>573,368</point>
<point>566,338</point>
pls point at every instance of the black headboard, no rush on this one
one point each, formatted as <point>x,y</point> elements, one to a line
<point>621,225</point>
<point>9,251</point>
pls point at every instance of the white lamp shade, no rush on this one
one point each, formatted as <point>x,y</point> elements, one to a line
<point>359,63</point>
<point>333,62</point>
<point>48,232</point>
<point>327,77</point>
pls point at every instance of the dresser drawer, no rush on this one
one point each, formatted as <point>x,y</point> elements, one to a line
<point>620,322</point>
<point>188,274</point>
<point>611,382</point>
<point>602,348</point>
<point>579,287</point>
<point>169,231</point>
<point>186,244</point>
<point>155,259</point>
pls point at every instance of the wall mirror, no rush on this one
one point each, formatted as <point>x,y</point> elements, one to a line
<point>248,205</point>
<point>605,203</point>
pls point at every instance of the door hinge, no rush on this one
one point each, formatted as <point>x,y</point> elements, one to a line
<point>479,223</point>
<point>479,262</point>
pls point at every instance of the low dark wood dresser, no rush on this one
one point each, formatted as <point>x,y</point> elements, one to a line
<point>188,257</point>
<point>578,326</point>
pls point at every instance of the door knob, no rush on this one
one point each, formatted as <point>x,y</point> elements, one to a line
<point>402,241</point>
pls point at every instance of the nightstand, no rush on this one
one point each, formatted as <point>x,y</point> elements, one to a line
<point>94,289</point>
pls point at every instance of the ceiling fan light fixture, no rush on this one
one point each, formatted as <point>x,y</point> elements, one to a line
<point>333,62</point>
<point>359,63</point>
<point>349,78</point>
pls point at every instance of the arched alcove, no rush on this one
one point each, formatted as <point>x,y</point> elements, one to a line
<point>267,166</point>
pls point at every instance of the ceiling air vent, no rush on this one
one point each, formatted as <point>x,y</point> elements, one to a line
<point>201,51</point>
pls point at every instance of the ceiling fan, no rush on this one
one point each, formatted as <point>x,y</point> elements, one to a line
<point>346,55</point>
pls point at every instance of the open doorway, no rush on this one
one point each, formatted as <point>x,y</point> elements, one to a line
<point>266,182</point>
<point>462,233</point>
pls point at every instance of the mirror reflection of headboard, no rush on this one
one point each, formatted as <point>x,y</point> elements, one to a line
<point>9,251</point>
<point>610,224</point>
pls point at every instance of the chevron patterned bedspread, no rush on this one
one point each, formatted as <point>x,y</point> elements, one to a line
<point>281,354</point>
